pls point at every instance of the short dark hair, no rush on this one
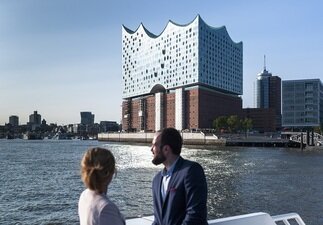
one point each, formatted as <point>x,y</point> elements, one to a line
<point>170,136</point>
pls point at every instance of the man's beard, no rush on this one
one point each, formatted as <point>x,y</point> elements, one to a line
<point>159,158</point>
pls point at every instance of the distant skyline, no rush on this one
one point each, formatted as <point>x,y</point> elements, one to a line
<point>62,57</point>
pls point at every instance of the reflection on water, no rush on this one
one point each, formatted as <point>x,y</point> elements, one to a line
<point>40,182</point>
<point>128,156</point>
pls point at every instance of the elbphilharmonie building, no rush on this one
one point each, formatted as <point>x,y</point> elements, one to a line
<point>183,77</point>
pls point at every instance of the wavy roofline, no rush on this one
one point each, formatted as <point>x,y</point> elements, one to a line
<point>198,17</point>
<point>129,31</point>
<point>221,28</point>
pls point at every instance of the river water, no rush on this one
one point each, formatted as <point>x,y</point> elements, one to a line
<point>40,181</point>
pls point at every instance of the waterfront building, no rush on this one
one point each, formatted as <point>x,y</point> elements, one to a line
<point>87,118</point>
<point>106,126</point>
<point>184,77</point>
<point>34,121</point>
<point>263,119</point>
<point>35,118</point>
<point>75,128</point>
<point>268,91</point>
<point>302,103</point>
<point>266,117</point>
<point>269,96</point>
<point>14,120</point>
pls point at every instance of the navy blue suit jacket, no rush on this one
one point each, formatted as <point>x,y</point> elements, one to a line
<point>186,196</point>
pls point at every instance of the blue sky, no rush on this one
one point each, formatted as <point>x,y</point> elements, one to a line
<point>60,57</point>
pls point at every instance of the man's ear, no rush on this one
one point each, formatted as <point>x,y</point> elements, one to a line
<point>166,148</point>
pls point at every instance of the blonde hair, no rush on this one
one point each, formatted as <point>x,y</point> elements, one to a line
<point>97,168</point>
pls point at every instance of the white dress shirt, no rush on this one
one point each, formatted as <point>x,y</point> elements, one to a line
<point>167,174</point>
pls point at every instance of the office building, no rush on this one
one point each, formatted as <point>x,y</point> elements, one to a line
<point>302,103</point>
<point>34,121</point>
<point>184,77</point>
<point>263,119</point>
<point>269,91</point>
<point>87,118</point>
<point>35,118</point>
<point>106,126</point>
<point>14,121</point>
<point>266,117</point>
<point>269,94</point>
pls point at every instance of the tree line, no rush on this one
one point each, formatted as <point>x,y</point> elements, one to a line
<point>232,124</point>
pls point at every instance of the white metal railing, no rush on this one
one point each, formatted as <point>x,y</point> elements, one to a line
<point>287,219</point>
<point>258,218</point>
<point>318,139</point>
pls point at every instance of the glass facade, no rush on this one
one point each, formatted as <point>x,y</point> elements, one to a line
<point>302,103</point>
<point>181,56</point>
<point>263,92</point>
<point>87,118</point>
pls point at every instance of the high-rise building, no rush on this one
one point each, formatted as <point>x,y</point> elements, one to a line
<point>266,117</point>
<point>302,103</point>
<point>184,77</point>
<point>87,118</point>
<point>35,118</point>
<point>269,93</point>
<point>14,120</point>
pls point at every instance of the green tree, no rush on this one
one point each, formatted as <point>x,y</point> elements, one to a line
<point>246,124</point>
<point>220,123</point>
<point>233,123</point>
<point>317,130</point>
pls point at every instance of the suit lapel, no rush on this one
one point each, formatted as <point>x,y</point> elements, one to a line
<point>173,179</point>
<point>160,198</point>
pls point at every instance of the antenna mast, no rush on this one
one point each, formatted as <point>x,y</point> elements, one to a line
<point>264,62</point>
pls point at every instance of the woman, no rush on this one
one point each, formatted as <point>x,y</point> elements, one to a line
<point>95,208</point>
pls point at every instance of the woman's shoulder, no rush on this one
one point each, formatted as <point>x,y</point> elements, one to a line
<point>103,201</point>
<point>110,212</point>
<point>99,200</point>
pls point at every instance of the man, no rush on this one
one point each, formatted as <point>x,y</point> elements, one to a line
<point>180,189</point>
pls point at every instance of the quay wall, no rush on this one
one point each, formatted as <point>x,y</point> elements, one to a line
<point>200,139</point>
<point>141,137</point>
<point>127,137</point>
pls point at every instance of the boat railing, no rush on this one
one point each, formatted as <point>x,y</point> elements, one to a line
<point>288,219</point>
<point>246,219</point>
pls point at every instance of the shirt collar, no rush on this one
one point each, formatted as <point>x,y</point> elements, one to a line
<point>169,172</point>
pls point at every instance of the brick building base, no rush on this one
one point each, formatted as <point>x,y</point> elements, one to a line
<point>201,107</point>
